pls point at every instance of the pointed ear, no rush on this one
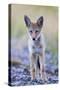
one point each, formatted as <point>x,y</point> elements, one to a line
<point>27,21</point>
<point>40,21</point>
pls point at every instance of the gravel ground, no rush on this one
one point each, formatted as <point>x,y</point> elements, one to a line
<point>20,75</point>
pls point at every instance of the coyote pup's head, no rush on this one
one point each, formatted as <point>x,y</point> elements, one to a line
<point>34,29</point>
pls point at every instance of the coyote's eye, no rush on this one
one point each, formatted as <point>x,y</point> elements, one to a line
<point>30,31</point>
<point>36,31</point>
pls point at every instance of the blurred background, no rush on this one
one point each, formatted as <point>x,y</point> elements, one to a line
<point>19,36</point>
<point>50,27</point>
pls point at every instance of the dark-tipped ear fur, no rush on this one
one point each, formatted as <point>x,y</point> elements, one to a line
<point>27,21</point>
<point>40,21</point>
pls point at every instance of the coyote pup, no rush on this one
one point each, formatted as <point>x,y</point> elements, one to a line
<point>36,47</point>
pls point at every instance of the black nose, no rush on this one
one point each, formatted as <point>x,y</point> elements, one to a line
<point>33,38</point>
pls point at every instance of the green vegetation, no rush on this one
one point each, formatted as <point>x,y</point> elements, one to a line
<point>50,28</point>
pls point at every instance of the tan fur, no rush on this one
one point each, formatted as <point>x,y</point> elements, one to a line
<point>36,48</point>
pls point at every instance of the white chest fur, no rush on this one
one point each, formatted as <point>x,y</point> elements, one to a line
<point>36,46</point>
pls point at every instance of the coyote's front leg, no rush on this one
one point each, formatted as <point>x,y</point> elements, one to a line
<point>42,66</point>
<point>32,68</point>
